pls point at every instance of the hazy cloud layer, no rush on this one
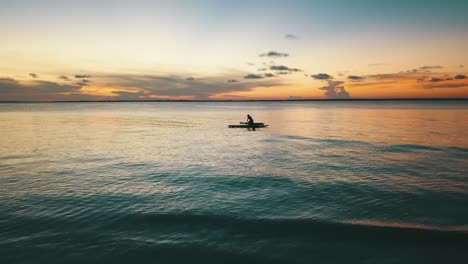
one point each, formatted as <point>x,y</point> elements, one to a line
<point>366,84</point>
<point>145,86</point>
<point>334,90</point>
<point>321,76</point>
<point>458,81</point>
<point>14,90</point>
<point>395,76</point>
<point>415,78</point>
<point>141,87</point>
<point>274,54</point>
<point>178,86</point>
<point>447,84</point>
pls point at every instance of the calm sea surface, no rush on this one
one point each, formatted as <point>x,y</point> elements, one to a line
<point>326,182</point>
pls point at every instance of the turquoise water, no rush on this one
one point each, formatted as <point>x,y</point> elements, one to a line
<point>326,182</point>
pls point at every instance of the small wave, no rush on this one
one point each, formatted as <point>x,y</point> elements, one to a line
<point>219,238</point>
<point>311,228</point>
<point>382,146</point>
<point>409,147</point>
<point>302,227</point>
<point>330,141</point>
<point>12,157</point>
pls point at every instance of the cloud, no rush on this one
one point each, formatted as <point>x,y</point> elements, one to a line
<point>462,66</point>
<point>250,63</point>
<point>436,80</point>
<point>169,86</point>
<point>356,78</point>
<point>83,82</point>
<point>459,81</point>
<point>65,78</point>
<point>321,76</point>
<point>269,75</point>
<point>430,67</point>
<point>395,76</point>
<point>190,79</point>
<point>8,84</point>
<point>283,68</point>
<point>132,87</point>
<point>290,36</point>
<point>81,76</point>
<point>414,79</point>
<point>14,90</point>
<point>34,75</point>
<point>334,90</point>
<point>262,69</point>
<point>381,84</point>
<point>444,85</point>
<point>274,54</point>
<point>253,76</point>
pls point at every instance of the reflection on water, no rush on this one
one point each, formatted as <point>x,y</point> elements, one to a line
<point>110,182</point>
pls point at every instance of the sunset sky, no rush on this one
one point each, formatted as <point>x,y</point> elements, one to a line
<point>207,49</point>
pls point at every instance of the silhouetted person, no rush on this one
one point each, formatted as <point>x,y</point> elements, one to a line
<point>251,123</point>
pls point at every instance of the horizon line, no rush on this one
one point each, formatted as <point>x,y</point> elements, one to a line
<point>245,100</point>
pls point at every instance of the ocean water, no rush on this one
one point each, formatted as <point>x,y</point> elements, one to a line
<point>326,182</point>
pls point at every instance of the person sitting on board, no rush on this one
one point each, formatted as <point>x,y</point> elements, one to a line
<point>251,123</point>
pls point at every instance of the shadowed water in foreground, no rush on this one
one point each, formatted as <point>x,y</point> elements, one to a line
<point>327,182</point>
